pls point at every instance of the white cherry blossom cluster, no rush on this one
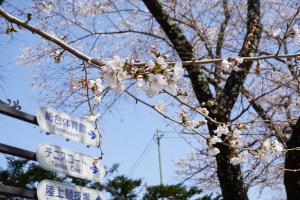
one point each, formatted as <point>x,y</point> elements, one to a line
<point>115,73</point>
<point>161,106</point>
<point>227,65</point>
<point>238,159</point>
<point>236,141</point>
<point>220,131</point>
<point>155,76</point>
<point>236,138</point>
<point>162,76</point>
<point>191,124</point>
<point>270,146</point>
<point>276,32</point>
<point>95,86</point>
<point>152,78</point>
<point>47,6</point>
<point>203,111</point>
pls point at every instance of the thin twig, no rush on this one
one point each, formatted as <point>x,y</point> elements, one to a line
<point>162,114</point>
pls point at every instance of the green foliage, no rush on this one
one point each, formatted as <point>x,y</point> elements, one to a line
<point>123,188</point>
<point>79,181</point>
<point>25,174</point>
<point>173,192</point>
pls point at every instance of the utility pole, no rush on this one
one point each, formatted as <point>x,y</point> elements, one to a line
<point>158,137</point>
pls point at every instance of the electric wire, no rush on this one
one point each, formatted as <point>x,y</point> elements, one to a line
<point>141,157</point>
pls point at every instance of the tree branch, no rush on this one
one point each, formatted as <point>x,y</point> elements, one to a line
<point>95,62</point>
<point>264,116</point>
<point>233,84</point>
<point>51,38</point>
<point>183,48</point>
<point>224,24</point>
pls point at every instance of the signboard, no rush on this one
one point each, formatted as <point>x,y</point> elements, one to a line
<point>52,190</point>
<point>75,164</point>
<point>69,127</point>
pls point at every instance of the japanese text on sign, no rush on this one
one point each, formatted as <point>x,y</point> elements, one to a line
<point>72,128</point>
<point>52,190</point>
<point>75,164</point>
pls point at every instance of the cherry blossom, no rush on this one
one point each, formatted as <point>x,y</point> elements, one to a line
<point>239,60</point>
<point>221,130</point>
<point>235,160</point>
<point>272,146</point>
<point>150,64</point>
<point>213,151</point>
<point>178,71</point>
<point>225,65</point>
<point>214,140</point>
<point>93,117</point>
<point>140,84</point>
<point>203,111</point>
<point>161,106</point>
<point>91,83</point>
<point>161,61</point>
<point>276,33</point>
<point>157,83</point>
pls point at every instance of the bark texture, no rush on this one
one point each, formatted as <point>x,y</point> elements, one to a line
<point>230,177</point>
<point>292,161</point>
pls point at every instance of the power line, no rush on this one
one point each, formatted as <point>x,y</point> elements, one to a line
<point>177,137</point>
<point>141,157</point>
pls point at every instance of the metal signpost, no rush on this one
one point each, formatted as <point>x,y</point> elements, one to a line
<point>72,128</point>
<point>57,158</point>
<point>19,192</point>
<point>52,190</point>
<point>75,164</point>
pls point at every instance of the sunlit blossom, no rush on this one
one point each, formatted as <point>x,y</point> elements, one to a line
<point>225,65</point>
<point>214,140</point>
<point>213,151</point>
<point>161,106</point>
<point>221,130</point>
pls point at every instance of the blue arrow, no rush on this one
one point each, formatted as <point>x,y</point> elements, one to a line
<point>98,198</point>
<point>92,134</point>
<point>94,168</point>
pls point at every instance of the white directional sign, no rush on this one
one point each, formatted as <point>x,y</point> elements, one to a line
<point>75,164</point>
<point>69,127</point>
<point>52,190</point>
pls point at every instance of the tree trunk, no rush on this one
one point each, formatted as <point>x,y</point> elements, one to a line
<point>292,161</point>
<point>230,177</point>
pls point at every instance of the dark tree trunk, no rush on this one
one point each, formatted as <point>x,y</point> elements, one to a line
<point>292,161</point>
<point>230,177</point>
